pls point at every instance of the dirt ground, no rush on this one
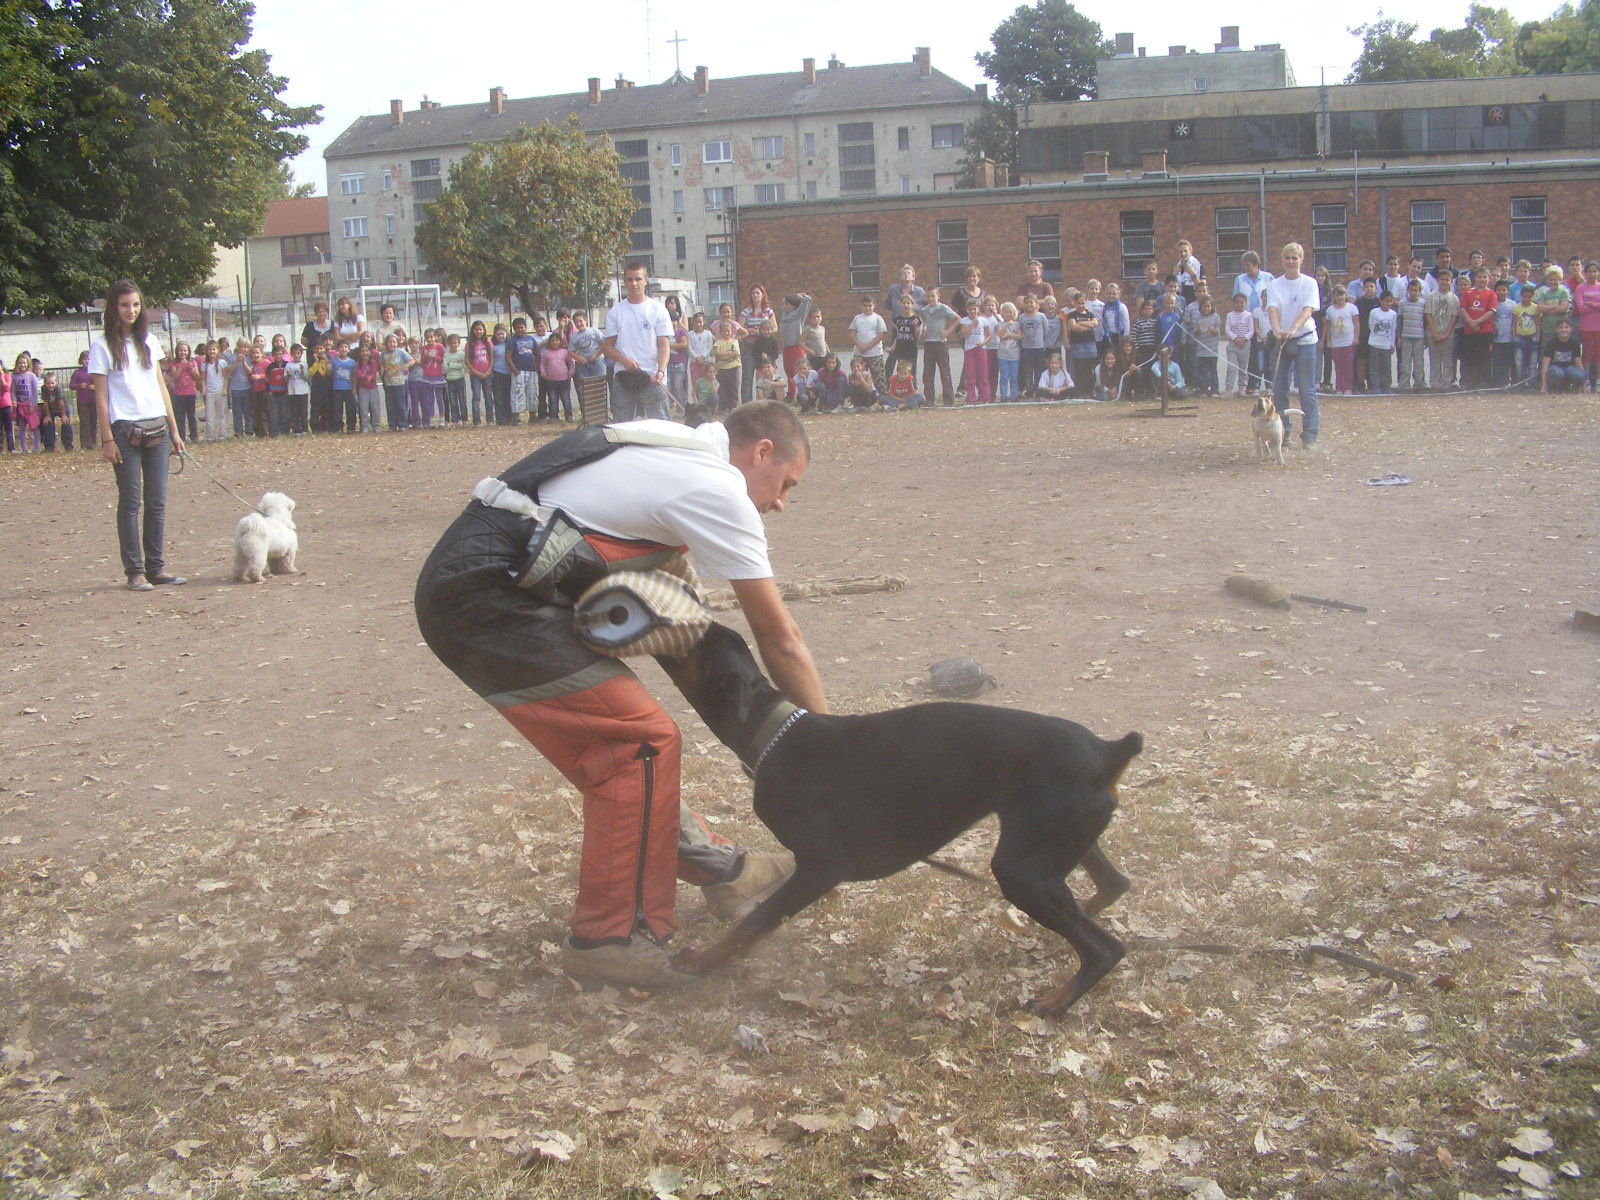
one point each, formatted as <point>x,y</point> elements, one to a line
<point>1078,553</point>
<point>281,899</point>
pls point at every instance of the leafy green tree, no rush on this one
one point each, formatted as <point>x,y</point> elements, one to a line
<point>1566,41</point>
<point>520,215</point>
<point>135,136</point>
<point>1485,44</point>
<point>992,134</point>
<point>1047,49</point>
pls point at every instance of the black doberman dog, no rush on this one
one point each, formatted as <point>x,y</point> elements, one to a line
<point>861,797</point>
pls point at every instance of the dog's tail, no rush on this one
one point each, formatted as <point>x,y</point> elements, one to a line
<point>1115,756</point>
<point>1297,412</point>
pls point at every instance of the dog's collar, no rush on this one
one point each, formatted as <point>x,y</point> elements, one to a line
<point>778,723</point>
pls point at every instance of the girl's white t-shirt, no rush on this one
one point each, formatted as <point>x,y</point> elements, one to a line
<point>133,393</point>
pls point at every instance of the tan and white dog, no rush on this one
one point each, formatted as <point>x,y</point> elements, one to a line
<point>266,542</point>
<point>1267,426</point>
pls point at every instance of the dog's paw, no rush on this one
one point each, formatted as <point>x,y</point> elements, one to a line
<point>690,962</point>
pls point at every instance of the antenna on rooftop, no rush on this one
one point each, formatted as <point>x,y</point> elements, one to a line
<point>648,73</point>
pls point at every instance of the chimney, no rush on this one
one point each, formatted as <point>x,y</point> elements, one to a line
<point>1124,45</point>
<point>1154,163</point>
<point>594,89</point>
<point>702,81</point>
<point>808,68</point>
<point>983,174</point>
<point>980,92</point>
<point>1096,165</point>
<point>397,112</point>
<point>1141,51</point>
<point>1002,175</point>
<point>924,60</point>
<point>428,105</point>
<point>622,83</point>
<point>1230,38</point>
<point>1175,51</point>
<point>833,62</point>
<point>497,101</point>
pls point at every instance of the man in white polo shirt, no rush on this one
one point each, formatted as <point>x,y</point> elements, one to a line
<point>639,341</point>
<point>639,494</point>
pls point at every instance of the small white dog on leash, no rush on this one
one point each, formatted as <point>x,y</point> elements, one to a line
<point>266,542</point>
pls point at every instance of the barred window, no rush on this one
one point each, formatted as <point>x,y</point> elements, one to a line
<point>952,250</point>
<point>1329,237</point>
<point>861,248</point>
<point>1044,244</point>
<point>1529,230</point>
<point>1138,242</point>
<point>1427,225</point>
<point>1233,239</point>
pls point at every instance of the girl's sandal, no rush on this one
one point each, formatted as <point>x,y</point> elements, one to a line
<point>140,584</point>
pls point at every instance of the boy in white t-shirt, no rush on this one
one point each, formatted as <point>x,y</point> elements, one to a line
<point>870,332</point>
<point>1383,333</point>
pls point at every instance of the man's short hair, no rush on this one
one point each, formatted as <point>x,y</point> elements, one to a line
<point>636,264</point>
<point>1250,258</point>
<point>773,420</point>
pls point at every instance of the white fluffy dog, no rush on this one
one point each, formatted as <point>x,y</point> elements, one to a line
<point>266,541</point>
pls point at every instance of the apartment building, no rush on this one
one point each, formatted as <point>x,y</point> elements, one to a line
<point>697,154</point>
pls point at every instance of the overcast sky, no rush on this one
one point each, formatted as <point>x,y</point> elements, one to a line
<point>354,56</point>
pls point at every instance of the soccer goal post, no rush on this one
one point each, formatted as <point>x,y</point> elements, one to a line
<point>417,306</point>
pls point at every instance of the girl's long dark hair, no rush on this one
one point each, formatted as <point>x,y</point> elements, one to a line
<point>116,339</point>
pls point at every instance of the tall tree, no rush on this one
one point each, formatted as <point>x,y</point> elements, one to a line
<point>1485,44</point>
<point>142,135</point>
<point>522,214</point>
<point>1567,41</point>
<point>1048,50</point>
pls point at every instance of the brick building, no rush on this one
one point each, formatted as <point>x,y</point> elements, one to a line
<point>1505,166</point>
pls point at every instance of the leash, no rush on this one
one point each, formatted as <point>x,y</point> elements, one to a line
<point>187,457</point>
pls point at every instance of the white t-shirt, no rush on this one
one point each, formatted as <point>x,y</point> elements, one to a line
<point>1291,297</point>
<point>700,343</point>
<point>863,328</point>
<point>133,393</point>
<point>1343,322</point>
<point>1382,328</point>
<point>634,328</point>
<point>1054,380</point>
<point>671,495</point>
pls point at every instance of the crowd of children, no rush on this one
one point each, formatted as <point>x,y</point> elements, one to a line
<point>1510,325</point>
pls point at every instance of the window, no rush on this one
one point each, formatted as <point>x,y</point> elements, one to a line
<point>769,193</point>
<point>1138,242</point>
<point>905,185</point>
<point>946,137</point>
<point>357,269</point>
<point>427,189</point>
<point>1233,239</point>
<point>352,183</point>
<point>1044,244</point>
<point>811,144</point>
<point>856,158</point>
<point>1427,226</point>
<point>355,227</point>
<point>635,148</point>
<point>641,218</point>
<point>857,131</point>
<point>394,268</point>
<point>811,189</point>
<point>718,199</point>
<point>388,224</point>
<point>905,137</point>
<point>642,241</point>
<point>681,245</point>
<point>419,213</point>
<point>766,147</point>
<point>296,251</point>
<point>861,250</point>
<point>1329,247</point>
<point>421,168</point>
<point>634,172</point>
<point>864,180</point>
<point>641,194</point>
<point>946,181</point>
<point>675,154</point>
<point>723,293</point>
<point>677,202</point>
<point>950,237</point>
<point>716,152</point>
<point>1528,229</point>
<point>717,247</point>
<point>388,180</point>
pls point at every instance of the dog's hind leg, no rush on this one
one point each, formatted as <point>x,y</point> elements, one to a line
<point>802,888</point>
<point>1109,883</point>
<point>1032,874</point>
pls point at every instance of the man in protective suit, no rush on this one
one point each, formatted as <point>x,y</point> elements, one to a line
<point>495,602</point>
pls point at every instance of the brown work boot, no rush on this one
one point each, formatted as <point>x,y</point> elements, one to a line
<point>638,963</point>
<point>758,878</point>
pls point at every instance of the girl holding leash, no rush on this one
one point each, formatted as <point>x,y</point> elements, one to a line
<point>139,432</point>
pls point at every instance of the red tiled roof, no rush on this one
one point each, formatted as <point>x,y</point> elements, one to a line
<point>295,218</point>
